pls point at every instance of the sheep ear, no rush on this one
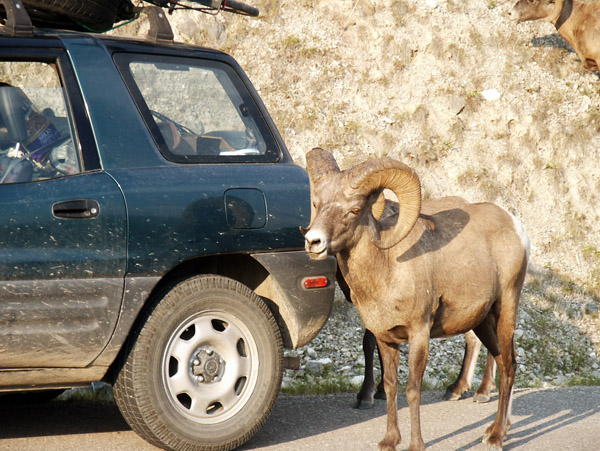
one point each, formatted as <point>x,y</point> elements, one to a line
<point>320,162</point>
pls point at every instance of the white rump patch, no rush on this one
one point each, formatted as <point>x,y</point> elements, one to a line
<point>522,234</point>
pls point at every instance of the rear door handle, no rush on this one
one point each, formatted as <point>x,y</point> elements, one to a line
<point>76,209</point>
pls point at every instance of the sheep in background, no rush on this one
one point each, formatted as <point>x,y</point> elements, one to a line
<point>414,276</point>
<point>578,23</point>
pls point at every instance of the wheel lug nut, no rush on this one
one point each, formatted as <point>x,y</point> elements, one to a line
<point>196,362</point>
<point>200,378</point>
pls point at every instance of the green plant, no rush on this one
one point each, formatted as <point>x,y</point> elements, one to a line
<point>352,126</point>
<point>587,380</point>
<point>319,386</point>
<point>591,253</point>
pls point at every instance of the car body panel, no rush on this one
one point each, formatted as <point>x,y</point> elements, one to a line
<point>61,280</point>
<point>179,213</point>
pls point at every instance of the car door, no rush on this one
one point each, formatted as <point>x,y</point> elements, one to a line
<point>62,220</point>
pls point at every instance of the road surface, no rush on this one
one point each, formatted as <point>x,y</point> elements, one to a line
<point>565,418</point>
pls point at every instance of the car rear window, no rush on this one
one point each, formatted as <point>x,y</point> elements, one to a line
<point>197,110</point>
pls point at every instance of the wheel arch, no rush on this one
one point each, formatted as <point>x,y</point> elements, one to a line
<point>243,268</point>
<point>277,278</point>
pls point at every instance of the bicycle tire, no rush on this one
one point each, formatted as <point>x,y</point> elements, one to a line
<point>81,15</point>
<point>240,8</point>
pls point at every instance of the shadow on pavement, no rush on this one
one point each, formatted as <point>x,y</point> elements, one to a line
<point>59,418</point>
<point>540,416</point>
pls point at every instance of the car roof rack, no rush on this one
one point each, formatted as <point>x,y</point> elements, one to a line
<point>17,22</point>
<point>160,29</point>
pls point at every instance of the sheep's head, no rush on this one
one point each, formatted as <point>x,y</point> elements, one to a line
<point>525,10</point>
<point>343,201</point>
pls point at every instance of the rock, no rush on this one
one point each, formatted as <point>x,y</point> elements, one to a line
<point>357,380</point>
<point>591,309</point>
<point>491,94</point>
<point>518,333</point>
<point>314,367</point>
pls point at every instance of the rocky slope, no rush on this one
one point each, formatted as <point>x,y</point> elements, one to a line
<point>481,107</point>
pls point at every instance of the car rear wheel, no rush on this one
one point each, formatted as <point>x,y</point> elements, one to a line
<point>205,368</point>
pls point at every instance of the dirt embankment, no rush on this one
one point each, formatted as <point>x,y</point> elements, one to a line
<point>480,106</point>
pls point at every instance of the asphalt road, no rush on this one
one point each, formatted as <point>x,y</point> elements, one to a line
<point>543,419</point>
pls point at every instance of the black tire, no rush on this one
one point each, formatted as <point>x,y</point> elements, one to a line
<point>96,15</point>
<point>204,369</point>
<point>240,8</point>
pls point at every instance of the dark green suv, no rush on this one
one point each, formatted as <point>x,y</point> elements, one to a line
<point>149,234</point>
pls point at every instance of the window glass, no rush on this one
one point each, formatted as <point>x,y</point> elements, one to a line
<point>35,133</point>
<point>199,111</point>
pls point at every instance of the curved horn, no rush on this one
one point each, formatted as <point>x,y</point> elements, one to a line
<point>402,181</point>
<point>320,162</point>
<point>378,206</point>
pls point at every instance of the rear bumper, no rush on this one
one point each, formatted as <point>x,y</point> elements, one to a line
<point>301,312</point>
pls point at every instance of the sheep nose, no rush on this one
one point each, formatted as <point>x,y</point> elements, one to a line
<point>514,15</point>
<point>315,242</point>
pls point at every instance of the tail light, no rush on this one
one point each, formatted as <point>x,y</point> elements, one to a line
<point>315,282</point>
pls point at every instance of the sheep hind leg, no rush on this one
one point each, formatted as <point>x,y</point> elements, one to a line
<point>365,397</point>
<point>462,384</point>
<point>380,393</point>
<point>497,337</point>
<point>488,383</point>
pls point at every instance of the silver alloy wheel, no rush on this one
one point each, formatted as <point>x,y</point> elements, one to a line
<point>210,367</point>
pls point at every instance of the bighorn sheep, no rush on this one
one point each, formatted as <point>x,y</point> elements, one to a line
<point>419,275</point>
<point>365,398</point>
<point>578,23</point>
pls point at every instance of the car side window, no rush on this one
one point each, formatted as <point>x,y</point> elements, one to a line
<point>35,133</point>
<point>197,110</point>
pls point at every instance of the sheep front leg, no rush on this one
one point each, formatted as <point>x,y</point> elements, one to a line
<point>390,356</point>
<point>418,351</point>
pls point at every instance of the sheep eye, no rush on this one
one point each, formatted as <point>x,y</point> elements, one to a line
<point>355,211</point>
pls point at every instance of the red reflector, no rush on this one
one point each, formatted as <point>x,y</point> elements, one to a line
<point>315,282</point>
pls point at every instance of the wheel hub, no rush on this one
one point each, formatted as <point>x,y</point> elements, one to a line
<point>207,366</point>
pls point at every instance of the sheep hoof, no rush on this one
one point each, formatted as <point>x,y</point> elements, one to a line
<point>493,447</point>
<point>451,396</point>
<point>482,398</point>
<point>492,443</point>
<point>362,404</point>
